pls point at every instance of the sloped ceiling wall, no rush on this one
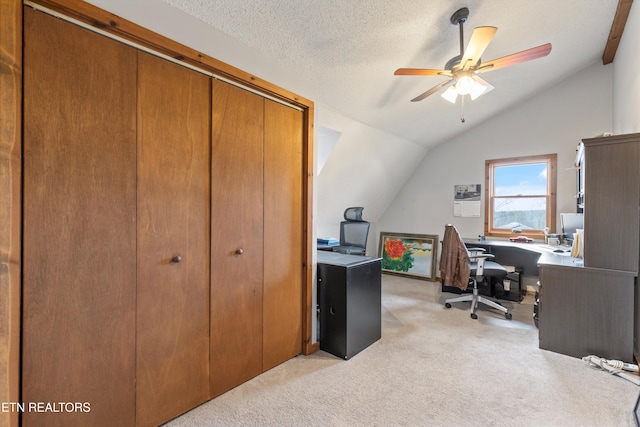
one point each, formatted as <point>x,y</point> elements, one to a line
<point>367,167</point>
<point>326,139</point>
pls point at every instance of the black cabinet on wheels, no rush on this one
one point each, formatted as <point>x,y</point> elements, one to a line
<point>349,298</point>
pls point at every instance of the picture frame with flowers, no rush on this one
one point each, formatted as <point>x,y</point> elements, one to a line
<point>408,254</point>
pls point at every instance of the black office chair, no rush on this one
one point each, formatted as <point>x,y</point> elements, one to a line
<point>354,232</point>
<point>460,265</point>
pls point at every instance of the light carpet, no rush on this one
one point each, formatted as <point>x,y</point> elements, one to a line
<point>433,367</point>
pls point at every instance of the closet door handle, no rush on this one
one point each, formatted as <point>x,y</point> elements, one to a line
<point>176,259</point>
<point>239,251</point>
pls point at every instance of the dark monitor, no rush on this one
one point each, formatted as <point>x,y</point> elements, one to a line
<point>571,222</point>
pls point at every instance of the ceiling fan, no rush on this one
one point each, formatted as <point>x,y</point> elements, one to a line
<point>463,69</point>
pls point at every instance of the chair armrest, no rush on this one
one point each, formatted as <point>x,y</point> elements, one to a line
<point>483,256</point>
<point>480,259</point>
<point>476,249</point>
<point>478,253</point>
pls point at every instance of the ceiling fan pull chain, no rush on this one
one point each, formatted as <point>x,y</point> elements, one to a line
<point>462,108</point>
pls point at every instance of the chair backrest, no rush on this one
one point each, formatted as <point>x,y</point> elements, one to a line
<point>454,265</point>
<point>354,233</point>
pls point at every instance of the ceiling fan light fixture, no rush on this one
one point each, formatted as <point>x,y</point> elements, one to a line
<point>464,85</point>
<point>450,94</point>
<point>479,88</point>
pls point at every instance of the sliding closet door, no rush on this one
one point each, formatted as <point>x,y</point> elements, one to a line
<point>282,233</point>
<point>174,116</point>
<point>237,237</point>
<point>79,261</point>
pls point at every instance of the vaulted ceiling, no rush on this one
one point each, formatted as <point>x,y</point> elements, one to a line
<point>349,51</point>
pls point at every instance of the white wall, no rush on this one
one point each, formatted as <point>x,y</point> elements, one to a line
<point>554,121</point>
<point>367,167</point>
<point>626,88</point>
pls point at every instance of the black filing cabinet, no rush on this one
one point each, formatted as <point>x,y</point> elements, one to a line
<point>349,300</point>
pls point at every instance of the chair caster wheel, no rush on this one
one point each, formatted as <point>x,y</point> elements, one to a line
<point>474,316</point>
<point>507,316</point>
<point>447,305</point>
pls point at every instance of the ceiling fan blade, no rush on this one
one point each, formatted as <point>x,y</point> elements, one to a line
<point>432,90</point>
<point>480,39</point>
<point>421,72</point>
<point>515,58</point>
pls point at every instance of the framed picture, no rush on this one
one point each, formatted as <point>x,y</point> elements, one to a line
<point>409,254</point>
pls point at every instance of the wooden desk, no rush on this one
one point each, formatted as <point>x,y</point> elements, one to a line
<point>585,311</point>
<point>522,255</point>
<point>582,310</point>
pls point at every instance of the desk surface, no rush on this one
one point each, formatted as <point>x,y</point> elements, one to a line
<point>541,248</point>
<point>527,255</point>
<point>560,261</point>
<point>343,260</point>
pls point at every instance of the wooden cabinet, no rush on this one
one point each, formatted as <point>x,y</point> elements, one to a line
<point>593,309</point>
<point>256,256</point>
<point>173,240</point>
<point>283,249</point>
<point>612,209</point>
<point>237,237</point>
<point>163,231</point>
<point>79,224</point>
<point>612,202</point>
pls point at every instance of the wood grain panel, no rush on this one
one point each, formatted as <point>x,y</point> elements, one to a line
<point>10,203</point>
<point>612,188</point>
<point>236,224</point>
<point>174,116</point>
<point>79,223</point>
<point>587,311</point>
<point>283,234</point>
<point>309,341</point>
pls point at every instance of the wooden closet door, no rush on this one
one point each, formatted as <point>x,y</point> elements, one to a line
<point>174,116</point>
<point>237,237</point>
<point>79,260</point>
<point>283,245</point>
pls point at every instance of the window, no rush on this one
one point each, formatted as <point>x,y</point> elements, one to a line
<point>521,196</point>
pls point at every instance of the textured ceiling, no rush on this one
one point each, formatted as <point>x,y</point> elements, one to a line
<point>349,49</point>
